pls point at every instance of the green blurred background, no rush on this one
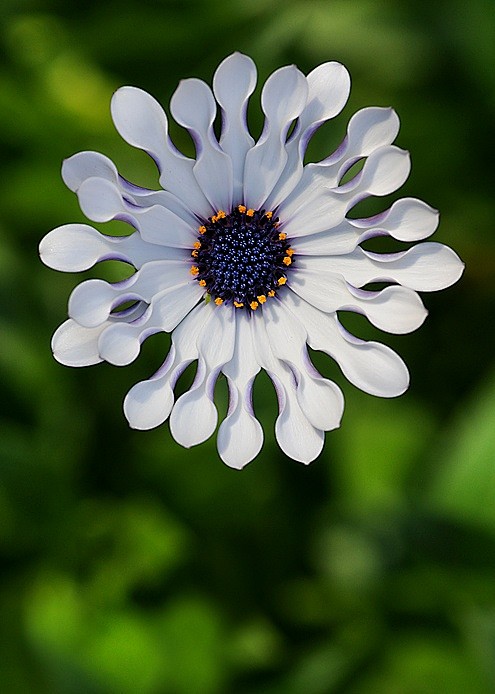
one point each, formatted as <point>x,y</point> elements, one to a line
<point>129,565</point>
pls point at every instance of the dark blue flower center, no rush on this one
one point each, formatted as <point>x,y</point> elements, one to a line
<point>241,257</point>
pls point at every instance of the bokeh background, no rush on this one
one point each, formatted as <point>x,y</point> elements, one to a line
<point>132,566</point>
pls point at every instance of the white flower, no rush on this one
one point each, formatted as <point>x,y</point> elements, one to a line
<point>246,255</point>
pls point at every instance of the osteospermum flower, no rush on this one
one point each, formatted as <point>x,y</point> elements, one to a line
<point>246,256</point>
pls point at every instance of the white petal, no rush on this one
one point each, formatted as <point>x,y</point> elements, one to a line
<point>394,309</point>
<point>320,399</point>
<point>148,403</point>
<point>73,345</point>
<point>102,201</point>
<point>407,219</point>
<point>193,107</point>
<point>329,86</point>
<point>370,366</point>
<point>77,247</point>
<point>194,415</point>
<point>425,267</point>
<point>83,165</point>
<point>91,302</point>
<point>240,435</point>
<point>383,172</point>
<point>369,129</point>
<point>233,83</point>
<point>282,99</point>
<point>296,436</point>
<point>142,123</point>
<point>340,240</point>
<point>121,343</point>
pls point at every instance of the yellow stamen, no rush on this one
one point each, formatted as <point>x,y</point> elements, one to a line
<point>271,292</point>
<point>237,304</point>
<point>261,298</point>
<point>282,280</point>
<point>221,214</point>
<point>254,305</point>
<point>194,254</point>
<point>202,283</point>
<point>214,219</point>
<point>287,260</point>
<point>202,230</point>
<point>289,251</point>
<point>282,236</point>
<point>241,208</point>
<point>268,215</point>
<point>250,213</point>
<point>218,301</point>
<point>197,244</point>
<point>194,270</point>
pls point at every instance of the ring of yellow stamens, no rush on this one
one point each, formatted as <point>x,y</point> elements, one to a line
<point>230,255</point>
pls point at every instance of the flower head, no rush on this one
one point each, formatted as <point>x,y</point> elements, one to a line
<point>246,256</point>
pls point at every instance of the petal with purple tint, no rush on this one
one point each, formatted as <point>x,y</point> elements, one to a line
<point>283,99</point>
<point>193,107</point>
<point>233,83</point>
<point>240,435</point>
<point>329,85</point>
<point>194,415</point>
<point>142,123</point>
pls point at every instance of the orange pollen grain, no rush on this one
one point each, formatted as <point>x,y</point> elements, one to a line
<point>254,305</point>
<point>194,254</point>
<point>282,280</point>
<point>202,283</point>
<point>287,260</point>
<point>218,301</point>
<point>261,298</point>
<point>268,215</point>
<point>282,236</point>
<point>271,292</point>
<point>289,251</point>
<point>238,304</point>
<point>197,244</point>
<point>250,213</point>
<point>241,208</point>
<point>202,230</point>
<point>194,270</point>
